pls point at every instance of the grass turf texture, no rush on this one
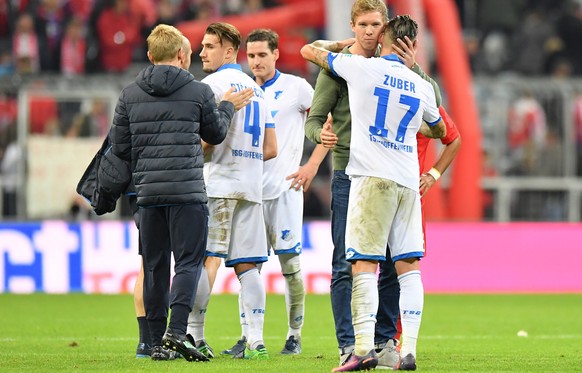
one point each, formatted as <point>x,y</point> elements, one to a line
<point>478,333</point>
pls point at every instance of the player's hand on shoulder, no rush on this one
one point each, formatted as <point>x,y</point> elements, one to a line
<point>238,99</point>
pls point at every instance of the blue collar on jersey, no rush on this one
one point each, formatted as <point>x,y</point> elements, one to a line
<point>271,81</point>
<point>392,57</point>
<point>235,66</point>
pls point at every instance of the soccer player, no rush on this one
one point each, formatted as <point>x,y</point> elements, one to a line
<point>289,99</point>
<point>368,19</point>
<point>234,185</point>
<point>159,122</point>
<point>389,103</point>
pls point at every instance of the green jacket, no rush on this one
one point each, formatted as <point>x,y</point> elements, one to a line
<point>331,96</point>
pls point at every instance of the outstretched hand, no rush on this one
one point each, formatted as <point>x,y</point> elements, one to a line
<point>238,99</point>
<point>303,177</point>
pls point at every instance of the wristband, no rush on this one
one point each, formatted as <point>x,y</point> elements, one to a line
<point>434,173</point>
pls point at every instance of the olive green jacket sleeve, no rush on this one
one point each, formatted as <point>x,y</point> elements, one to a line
<point>435,86</point>
<point>331,96</point>
<point>327,89</point>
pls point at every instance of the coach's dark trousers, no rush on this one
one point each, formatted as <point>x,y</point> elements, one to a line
<point>183,231</point>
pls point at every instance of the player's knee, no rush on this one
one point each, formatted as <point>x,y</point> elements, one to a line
<point>290,264</point>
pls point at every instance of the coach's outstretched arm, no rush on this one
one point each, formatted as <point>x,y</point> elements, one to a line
<point>318,51</point>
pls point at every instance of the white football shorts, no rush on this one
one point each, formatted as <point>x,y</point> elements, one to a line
<point>382,212</point>
<point>284,222</point>
<point>236,231</point>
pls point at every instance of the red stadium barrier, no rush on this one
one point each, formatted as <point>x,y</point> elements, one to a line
<point>286,20</point>
<point>465,194</point>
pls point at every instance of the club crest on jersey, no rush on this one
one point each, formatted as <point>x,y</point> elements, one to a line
<point>278,94</point>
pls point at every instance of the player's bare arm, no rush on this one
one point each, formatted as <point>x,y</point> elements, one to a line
<point>270,144</point>
<point>304,176</point>
<point>318,51</point>
<point>335,46</point>
<point>427,180</point>
<point>316,55</point>
<point>435,132</point>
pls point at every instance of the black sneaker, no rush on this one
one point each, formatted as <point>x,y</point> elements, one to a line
<point>182,345</point>
<point>160,353</point>
<point>408,362</point>
<point>292,346</point>
<point>143,350</point>
<point>237,349</point>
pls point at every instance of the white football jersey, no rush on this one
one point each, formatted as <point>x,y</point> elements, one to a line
<point>235,167</point>
<point>289,98</point>
<point>388,103</point>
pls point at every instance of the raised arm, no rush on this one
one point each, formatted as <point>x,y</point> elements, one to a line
<point>318,51</point>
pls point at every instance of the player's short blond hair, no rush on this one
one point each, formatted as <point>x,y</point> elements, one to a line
<point>164,42</point>
<point>366,6</point>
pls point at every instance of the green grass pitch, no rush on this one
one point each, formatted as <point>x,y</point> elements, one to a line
<point>459,333</point>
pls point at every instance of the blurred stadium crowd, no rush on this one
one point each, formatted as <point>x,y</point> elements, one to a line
<point>538,126</point>
<point>529,37</point>
<point>74,37</point>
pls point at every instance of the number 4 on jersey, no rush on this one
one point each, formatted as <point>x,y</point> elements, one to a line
<point>253,127</point>
<point>378,129</point>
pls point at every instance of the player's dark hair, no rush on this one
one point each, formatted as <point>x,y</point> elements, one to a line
<point>224,31</point>
<point>270,36</point>
<point>401,26</point>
